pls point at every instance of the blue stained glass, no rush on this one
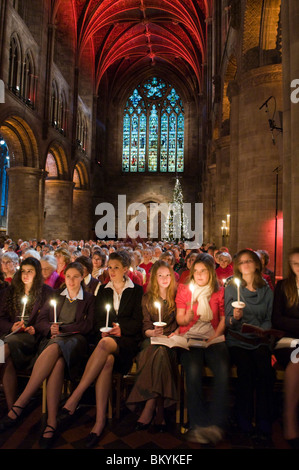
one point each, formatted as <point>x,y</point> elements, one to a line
<point>155,88</point>
<point>173,97</point>
<point>135,98</point>
<point>153,129</point>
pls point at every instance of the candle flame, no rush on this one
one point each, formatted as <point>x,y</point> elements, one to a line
<point>157,304</point>
<point>108,307</point>
<point>237,281</point>
<point>191,287</point>
<point>53,302</point>
<point>24,300</point>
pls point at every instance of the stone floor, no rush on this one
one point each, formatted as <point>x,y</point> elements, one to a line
<point>120,434</point>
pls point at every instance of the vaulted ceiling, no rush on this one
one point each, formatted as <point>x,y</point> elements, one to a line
<point>121,37</point>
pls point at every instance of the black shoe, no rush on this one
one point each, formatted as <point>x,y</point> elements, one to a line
<point>142,426</point>
<point>92,440</point>
<point>7,422</point>
<point>47,442</point>
<point>65,417</point>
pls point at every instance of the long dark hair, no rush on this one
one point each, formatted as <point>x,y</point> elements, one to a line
<point>289,283</point>
<point>18,289</point>
<point>258,280</point>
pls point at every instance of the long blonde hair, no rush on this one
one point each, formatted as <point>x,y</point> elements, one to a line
<point>153,292</point>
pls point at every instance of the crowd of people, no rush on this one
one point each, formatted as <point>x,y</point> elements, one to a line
<point>82,310</point>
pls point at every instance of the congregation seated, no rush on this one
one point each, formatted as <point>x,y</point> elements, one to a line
<point>92,257</point>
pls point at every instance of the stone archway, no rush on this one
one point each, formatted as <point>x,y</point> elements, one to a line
<point>24,220</point>
<point>58,195</point>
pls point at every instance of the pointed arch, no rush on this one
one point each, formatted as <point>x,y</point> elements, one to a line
<point>58,156</point>
<point>80,176</point>
<point>21,142</point>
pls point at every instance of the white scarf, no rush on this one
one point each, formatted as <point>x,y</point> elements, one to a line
<point>202,295</point>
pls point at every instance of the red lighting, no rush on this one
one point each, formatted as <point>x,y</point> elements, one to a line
<point>107,32</point>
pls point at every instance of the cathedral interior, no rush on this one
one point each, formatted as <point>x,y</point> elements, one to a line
<point>102,98</point>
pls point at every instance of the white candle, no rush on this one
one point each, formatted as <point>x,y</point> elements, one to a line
<point>24,300</point>
<point>237,281</point>
<point>107,314</point>
<point>53,302</point>
<point>191,287</point>
<point>158,306</point>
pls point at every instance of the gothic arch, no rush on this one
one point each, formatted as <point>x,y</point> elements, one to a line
<point>21,142</point>
<point>260,30</point>
<point>58,153</point>
<point>80,176</point>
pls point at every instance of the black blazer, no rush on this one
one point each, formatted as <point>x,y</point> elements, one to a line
<point>129,315</point>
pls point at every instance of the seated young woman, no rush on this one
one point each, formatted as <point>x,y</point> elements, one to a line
<point>285,317</point>
<point>203,318</point>
<point>250,354</point>
<point>61,351</point>
<point>155,385</point>
<point>116,348</point>
<point>18,323</point>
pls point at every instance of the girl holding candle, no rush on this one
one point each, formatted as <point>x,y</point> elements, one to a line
<point>155,386</point>
<point>286,318</point>
<point>248,352</point>
<point>115,349</point>
<point>59,354</point>
<point>20,318</point>
<point>205,321</point>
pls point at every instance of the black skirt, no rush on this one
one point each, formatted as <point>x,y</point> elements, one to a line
<point>23,348</point>
<point>74,349</point>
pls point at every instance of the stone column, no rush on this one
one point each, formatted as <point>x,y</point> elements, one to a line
<point>58,209</point>
<point>253,175</point>
<point>222,196</point>
<point>82,214</point>
<point>25,203</point>
<point>290,62</point>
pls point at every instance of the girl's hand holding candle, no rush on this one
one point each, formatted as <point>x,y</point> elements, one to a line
<point>159,323</point>
<point>54,303</point>
<point>106,328</point>
<point>24,300</point>
<point>238,304</point>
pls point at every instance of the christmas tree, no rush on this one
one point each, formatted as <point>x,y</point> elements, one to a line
<point>176,225</point>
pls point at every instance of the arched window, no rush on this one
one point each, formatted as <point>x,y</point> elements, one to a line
<point>14,77</point>
<point>28,87</point>
<point>62,114</point>
<point>153,129</point>
<point>51,166</point>
<point>54,105</point>
<point>4,164</point>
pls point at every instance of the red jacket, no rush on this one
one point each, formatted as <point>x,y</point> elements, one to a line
<point>183,300</point>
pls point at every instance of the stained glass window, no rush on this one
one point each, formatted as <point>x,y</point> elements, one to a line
<point>153,129</point>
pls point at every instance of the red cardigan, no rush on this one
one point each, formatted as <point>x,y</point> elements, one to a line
<point>183,300</point>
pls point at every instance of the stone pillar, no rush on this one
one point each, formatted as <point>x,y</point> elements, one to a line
<point>58,209</point>
<point>82,214</point>
<point>254,159</point>
<point>25,203</point>
<point>290,63</point>
<point>222,195</point>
